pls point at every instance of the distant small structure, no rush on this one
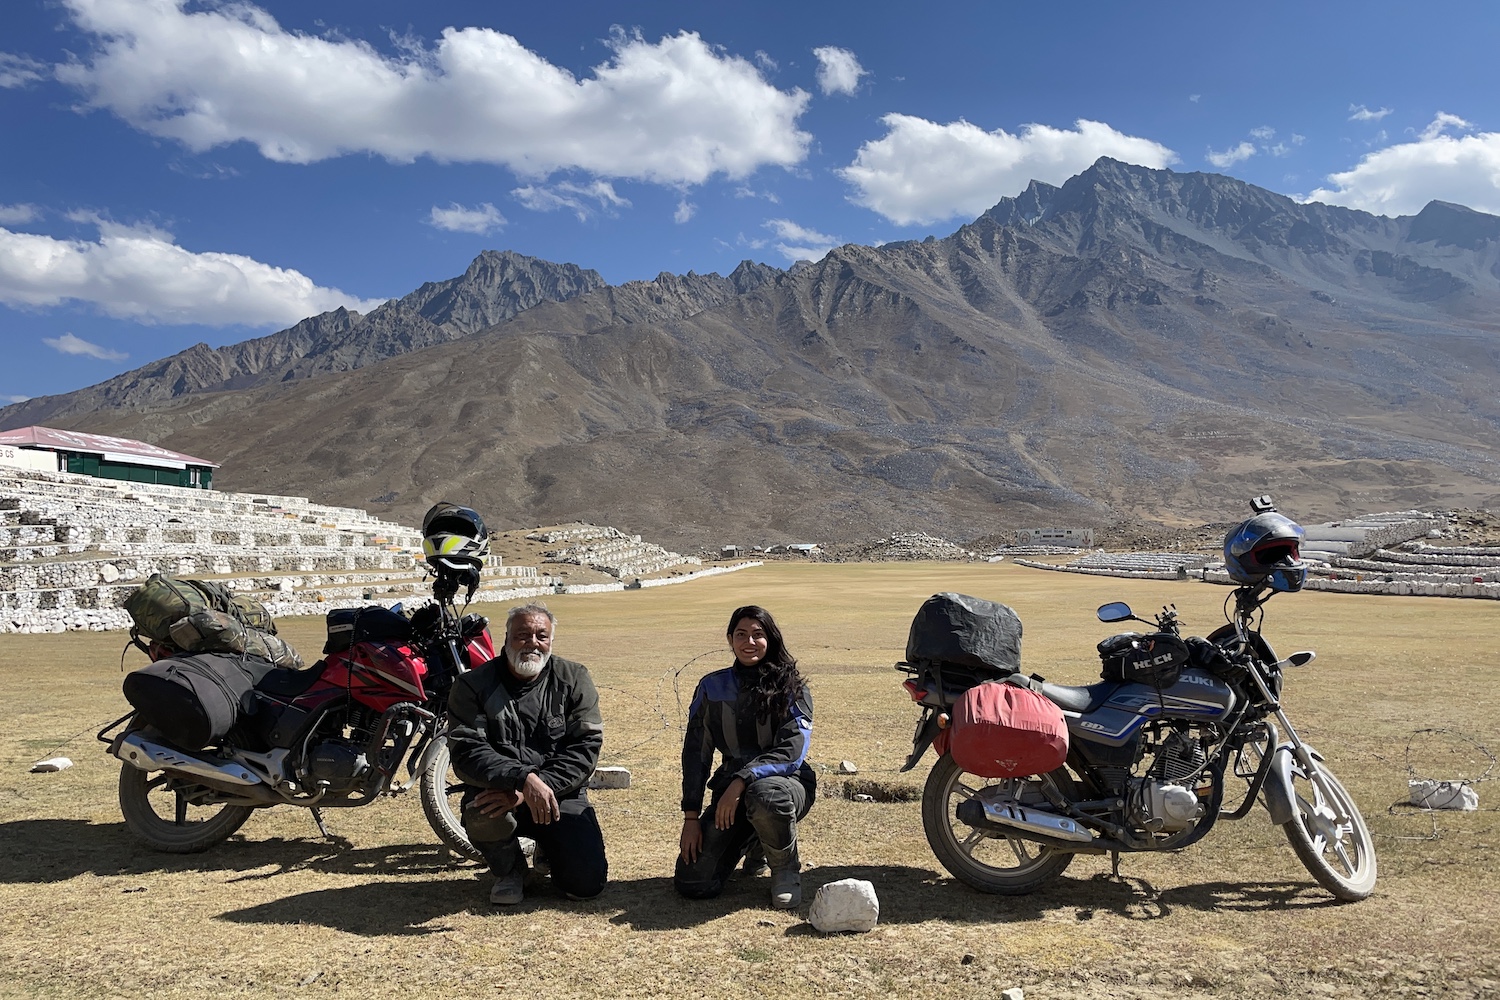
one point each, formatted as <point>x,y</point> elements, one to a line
<point>1073,537</point>
<point>729,551</point>
<point>104,457</point>
<point>804,548</point>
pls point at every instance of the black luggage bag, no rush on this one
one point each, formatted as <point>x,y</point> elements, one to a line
<point>195,700</point>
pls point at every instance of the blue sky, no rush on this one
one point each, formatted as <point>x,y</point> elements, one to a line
<point>174,172</point>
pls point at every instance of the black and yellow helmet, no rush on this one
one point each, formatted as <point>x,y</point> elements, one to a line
<point>454,537</point>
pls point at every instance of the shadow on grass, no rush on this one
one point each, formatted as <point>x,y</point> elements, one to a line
<point>378,909</point>
<point>55,850</point>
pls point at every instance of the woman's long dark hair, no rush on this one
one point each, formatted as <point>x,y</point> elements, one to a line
<point>776,684</point>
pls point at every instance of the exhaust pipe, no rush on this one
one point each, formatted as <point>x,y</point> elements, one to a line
<point>1011,814</point>
<point>139,752</point>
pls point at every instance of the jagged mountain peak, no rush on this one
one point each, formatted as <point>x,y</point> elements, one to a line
<point>1446,224</point>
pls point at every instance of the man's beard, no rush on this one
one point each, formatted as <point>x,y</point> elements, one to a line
<point>527,665</point>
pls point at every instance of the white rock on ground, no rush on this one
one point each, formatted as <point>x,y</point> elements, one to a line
<point>1014,993</point>
<point>610,777</point>
<point>847,767</point>
<point>1431,794</point>
<point>51,764</point>
<point>849,904</point>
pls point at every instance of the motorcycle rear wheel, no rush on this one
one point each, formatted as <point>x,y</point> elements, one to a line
<point>161,814</point>
<point>441,795</point>
<point>1329,834</point>
<point>990,862</point>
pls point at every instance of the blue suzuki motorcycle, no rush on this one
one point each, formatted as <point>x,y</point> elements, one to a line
<point>1180,733</point>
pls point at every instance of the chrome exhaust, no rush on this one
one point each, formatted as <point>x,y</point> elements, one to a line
<point>140,752</point>
<point>1007,812</point>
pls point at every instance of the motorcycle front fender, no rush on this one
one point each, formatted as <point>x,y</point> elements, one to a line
<point>927,731</point>
<point>1279,797</point>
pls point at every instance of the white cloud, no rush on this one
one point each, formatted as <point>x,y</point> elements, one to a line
<point>797,242</point>
<point>1195,98</point>
<point>481,220</point>
<point>923,172</point>
<point>14,399</point>
<point>69,344</point>
<point>1263,133</point>
<point>575,197</point>
<point>677,111</point>
<point>1441,124</point>
<point>1230,157</point>
<point>838,70</point>
<point>1360,113</point>
<point>140,273</point>
<point>18,71</point>
<point>765,62</point>
<point>685,211</point>
<point>15,215</point>
<point>1401,179</point>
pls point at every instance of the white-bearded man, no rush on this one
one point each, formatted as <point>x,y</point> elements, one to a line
<point>524,735</point>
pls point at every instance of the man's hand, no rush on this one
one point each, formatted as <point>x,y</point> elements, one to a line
<point>729,803</point>
<point>691,840</point>
<point>493,802</point>
<point>539,798</point>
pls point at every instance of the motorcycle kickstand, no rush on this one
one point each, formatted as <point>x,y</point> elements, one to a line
<point>1114,863</point>
<point>317,815</point>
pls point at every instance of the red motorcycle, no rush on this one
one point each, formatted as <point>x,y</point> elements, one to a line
<point>332,736</point>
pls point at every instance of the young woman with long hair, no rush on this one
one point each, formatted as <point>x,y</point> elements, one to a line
<point>757,714</point>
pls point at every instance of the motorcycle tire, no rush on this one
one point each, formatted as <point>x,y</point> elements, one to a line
<point>441,791</point>
<point>166,819</point>
<point>1330,836</point>
<point>989,862</point>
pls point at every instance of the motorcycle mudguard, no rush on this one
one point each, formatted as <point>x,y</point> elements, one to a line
<point>927,731</point>
<point>1281,801</point>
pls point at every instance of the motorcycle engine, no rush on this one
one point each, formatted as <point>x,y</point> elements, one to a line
<point>336,765</point>
<point>1164,808</point>
<point>1162,801</point>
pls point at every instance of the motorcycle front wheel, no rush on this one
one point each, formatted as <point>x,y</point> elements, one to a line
<point>1329,834</point>
<point>442,793</point>
<point>985,859</point>
<point>168,814</point>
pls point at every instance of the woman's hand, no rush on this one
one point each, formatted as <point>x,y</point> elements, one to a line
<point>691,840</point>
<point>729,803</point>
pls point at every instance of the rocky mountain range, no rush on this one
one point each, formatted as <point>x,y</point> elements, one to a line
<point>1136,344</point>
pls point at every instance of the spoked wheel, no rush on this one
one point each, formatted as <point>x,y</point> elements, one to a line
<point>1329,834</point>
<point>442,794</point>
<point>985,859</point>
<point>166,813</point>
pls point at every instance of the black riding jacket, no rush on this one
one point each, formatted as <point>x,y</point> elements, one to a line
<point>502,729</point>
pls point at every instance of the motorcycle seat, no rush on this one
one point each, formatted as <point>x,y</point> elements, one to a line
<point>282,683</point>
<point>1078,699</point>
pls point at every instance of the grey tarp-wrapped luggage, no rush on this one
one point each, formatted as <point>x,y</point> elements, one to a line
<point>967,631</point>
<point>195,700</point>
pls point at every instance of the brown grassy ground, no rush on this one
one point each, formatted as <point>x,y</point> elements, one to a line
<point>279,912</point>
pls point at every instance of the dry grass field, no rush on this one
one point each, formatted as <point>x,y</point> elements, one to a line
<point>279,912</point>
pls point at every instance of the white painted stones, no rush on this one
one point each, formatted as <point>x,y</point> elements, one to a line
<point>847,767</point>
<point>849,904</point>
<point>51,764</point>
<point>1431,794</point>
<point>610,777</point>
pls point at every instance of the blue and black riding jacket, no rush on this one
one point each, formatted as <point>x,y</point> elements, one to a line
<point>722,718</point>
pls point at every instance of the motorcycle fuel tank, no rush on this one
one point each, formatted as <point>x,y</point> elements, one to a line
<point>1196,695</point>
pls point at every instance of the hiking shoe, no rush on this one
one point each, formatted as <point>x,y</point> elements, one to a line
<point>539,863</point>
<point>786,888</point>
<point>507,891</point>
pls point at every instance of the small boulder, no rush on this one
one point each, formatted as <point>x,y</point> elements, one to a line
<point>847,767</point>
<point>610,777</point>
<point>51,764</point>
<point>1430,794</point>
<point>849,904</point>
